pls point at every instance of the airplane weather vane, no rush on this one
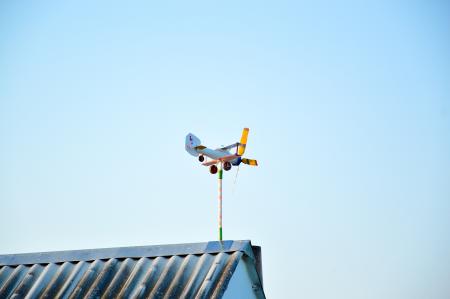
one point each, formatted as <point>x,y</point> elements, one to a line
<point>221,158</point>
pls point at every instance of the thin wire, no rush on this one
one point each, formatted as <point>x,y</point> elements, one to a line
<point>235,179</point>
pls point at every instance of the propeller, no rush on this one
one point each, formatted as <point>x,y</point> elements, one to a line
<point>241,149</point>
<point>250,162</point>
<point>243,143</point>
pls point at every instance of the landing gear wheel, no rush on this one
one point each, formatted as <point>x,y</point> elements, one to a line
<point>227,166</point>
<point>201,158</point>
<point>213,169</point>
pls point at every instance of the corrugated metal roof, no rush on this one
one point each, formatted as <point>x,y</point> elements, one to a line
<point>199,270</point>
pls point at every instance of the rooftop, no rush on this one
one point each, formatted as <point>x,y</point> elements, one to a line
<point>196,270</point>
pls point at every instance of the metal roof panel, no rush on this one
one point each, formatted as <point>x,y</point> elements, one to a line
<point>198,270</point>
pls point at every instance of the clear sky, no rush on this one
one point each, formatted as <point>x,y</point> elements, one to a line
<point>348,106</point>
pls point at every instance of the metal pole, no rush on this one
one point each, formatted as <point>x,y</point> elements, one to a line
<point>220,175</point>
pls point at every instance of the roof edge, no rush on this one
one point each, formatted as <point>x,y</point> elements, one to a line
<point>127,252</point>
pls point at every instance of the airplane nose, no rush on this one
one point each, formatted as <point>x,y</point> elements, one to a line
<point>237,161</point>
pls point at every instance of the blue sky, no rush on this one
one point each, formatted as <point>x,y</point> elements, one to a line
<point>348,106</point>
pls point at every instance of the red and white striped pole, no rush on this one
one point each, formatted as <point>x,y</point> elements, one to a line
<point>220,175</point>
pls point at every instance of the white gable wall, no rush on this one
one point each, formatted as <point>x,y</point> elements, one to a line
<point>240,285</point>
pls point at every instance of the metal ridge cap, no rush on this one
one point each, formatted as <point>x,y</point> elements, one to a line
<point>127,252</point>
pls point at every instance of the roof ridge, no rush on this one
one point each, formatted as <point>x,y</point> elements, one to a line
<point>128,252</point>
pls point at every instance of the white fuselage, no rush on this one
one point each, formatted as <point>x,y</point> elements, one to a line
<point>214,154</point>
<point>218,154</point>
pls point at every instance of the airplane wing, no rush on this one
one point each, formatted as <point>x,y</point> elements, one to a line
<point>223,159</point>
<point>210,162</point>
<point>230,146</point>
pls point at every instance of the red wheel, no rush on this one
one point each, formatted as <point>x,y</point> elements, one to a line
<point>227,166</point>
<point>213,169</point>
